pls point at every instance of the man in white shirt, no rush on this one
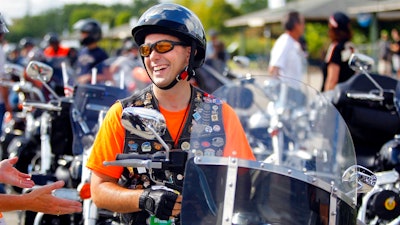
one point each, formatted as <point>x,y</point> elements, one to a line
<point>287,56</point>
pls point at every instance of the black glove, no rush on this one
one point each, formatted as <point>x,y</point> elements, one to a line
<point>158,202</point>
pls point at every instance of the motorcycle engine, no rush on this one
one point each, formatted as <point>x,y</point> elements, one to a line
<point>385,205</point>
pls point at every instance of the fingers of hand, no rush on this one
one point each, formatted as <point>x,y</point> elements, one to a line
<point>24,183</point>
<point>73,207</point>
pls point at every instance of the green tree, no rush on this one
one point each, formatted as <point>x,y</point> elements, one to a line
<point>141,6</point>
<point>317,40</point>
<point>105,16</point>
<point>212,13</point>
<point>220,11</point>
<point>83,11</point>
<point>122,17</point>
<point>248,6</point>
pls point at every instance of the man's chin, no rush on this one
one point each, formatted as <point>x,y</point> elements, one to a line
<point>161,82</point>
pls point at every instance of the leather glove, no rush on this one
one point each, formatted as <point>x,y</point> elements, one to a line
<point>158,201</point>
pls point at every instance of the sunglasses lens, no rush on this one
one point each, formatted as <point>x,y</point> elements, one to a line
<point>163,47</point>
<point>144,50</point>
<point>160,47</point>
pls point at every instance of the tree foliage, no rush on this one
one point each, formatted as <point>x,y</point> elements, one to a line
<point>248,6</point>
<point>61,20</point>
<point>141,6</point>
<point>212,13</point>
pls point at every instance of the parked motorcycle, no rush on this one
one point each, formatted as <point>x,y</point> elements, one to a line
<point>369,103</point>
<point>313,180</point>
<point>21,129</point>
<point>68,127</point>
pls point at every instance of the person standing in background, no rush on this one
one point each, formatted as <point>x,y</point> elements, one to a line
<point>4,103</point>
<point>385,56</point>
<point>216,54</point>
<point>91,55</point>
<point>54,47</point>
<point>395,48</point>
<point>287,56</point>
<point>55,55</point>
<point>336,68</point>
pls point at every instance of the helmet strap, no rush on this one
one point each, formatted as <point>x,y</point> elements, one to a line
<point>183,75</point>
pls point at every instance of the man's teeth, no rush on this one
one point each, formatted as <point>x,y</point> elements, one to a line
<point>157,68</point>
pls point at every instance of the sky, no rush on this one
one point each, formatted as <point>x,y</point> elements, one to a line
<point>18,8</point>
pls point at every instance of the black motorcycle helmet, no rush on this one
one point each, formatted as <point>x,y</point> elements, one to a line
<point>51,38</point>
<point>3,26</point>
<point>26,42</point>
<point>175,20</point>
<point>92,28</point>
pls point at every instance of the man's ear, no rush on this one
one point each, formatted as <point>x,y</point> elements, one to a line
<point>189,49</point>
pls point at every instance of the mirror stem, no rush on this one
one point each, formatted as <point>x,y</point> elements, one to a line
<point>50,89</point>
<point>371,79</point>
<point>161,141</point>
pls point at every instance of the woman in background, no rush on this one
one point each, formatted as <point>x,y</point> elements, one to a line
<point>335,68</point>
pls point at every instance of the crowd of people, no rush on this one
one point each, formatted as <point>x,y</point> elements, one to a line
<point>389,53</point>
<point>80,61</point>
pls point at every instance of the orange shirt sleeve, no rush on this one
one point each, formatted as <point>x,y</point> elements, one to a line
<point>236,140</point>
<point>109,142</point>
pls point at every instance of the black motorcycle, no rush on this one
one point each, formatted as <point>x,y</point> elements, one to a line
<point>313,181</point>
<point>68,125</point>
<point>369,103</point>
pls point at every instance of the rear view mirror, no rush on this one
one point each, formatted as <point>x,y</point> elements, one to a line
<point>360,62</point>
<point>39,71</point>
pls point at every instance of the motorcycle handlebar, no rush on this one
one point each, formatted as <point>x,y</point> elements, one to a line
<point>157,160</point>
<point>133,156</point>
<point>135,163</point>
<point>44,106</point>
<point>365,96</point>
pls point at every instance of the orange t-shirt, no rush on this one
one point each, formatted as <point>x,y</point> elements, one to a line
<point>110,138</point>
<point>61,52</point>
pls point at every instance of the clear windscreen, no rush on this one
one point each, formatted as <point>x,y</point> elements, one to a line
<point>259,195</point>
<point>293,128</point>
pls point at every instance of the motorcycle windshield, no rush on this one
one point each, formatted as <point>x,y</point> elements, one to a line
<point>304,154</point>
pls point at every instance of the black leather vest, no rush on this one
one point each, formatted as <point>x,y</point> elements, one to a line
<point>204,124</point>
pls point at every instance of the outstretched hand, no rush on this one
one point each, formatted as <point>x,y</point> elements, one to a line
<point>42,200</point>
<point>10,175</point>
